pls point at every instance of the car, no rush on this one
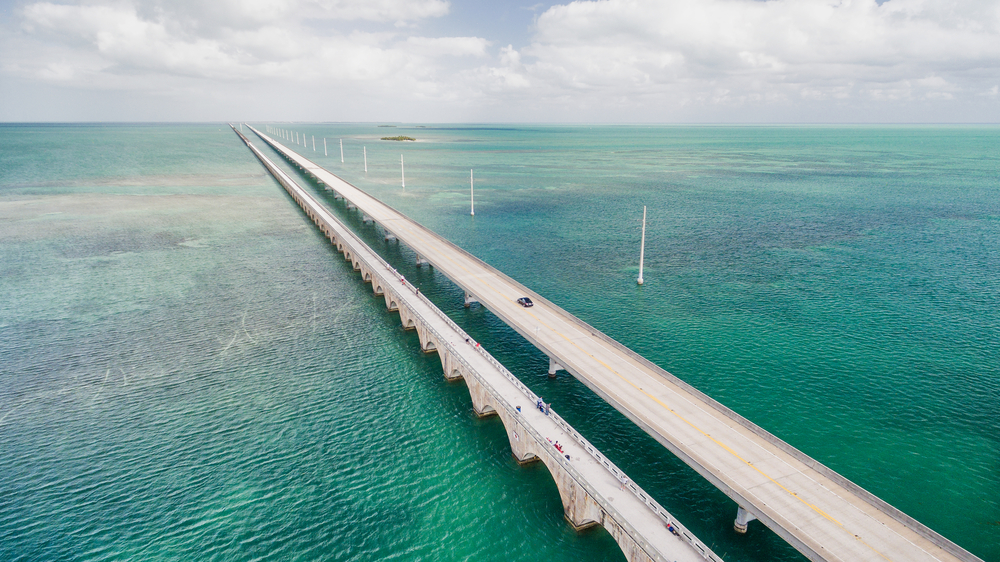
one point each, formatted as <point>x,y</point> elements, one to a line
<point>525,302</point>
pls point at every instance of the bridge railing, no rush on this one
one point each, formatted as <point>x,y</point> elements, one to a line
<point>593,451</point>
<point>641,494</point>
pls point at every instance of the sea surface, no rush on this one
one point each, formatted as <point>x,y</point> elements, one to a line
<point>188,371</point>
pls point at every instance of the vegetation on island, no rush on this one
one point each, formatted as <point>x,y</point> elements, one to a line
<point>399,138</point>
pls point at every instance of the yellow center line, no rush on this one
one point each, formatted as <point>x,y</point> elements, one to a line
<point>416,231</point>
<point>637,387</point>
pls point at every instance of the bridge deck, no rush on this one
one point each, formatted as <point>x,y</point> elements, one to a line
<point>823,515</point>
<point>588,467</point>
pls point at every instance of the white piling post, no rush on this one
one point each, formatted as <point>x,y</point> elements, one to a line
<point>642,245</point>
<point>365,149</point>
<point>472,194</point>
<point>314,143</point>
<point>324,147</point>
<point>341,151</point>
<point>402,171</point>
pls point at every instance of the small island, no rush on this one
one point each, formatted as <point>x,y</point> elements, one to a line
<point>399,138</point>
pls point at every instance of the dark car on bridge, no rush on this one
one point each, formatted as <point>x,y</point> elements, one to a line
<point>525,302</point>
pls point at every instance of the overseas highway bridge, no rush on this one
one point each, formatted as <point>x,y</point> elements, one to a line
<point>819,512</point>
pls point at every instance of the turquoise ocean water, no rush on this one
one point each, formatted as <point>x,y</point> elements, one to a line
<point>188,371</point>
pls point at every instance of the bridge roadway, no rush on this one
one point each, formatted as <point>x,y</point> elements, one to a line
<point>594,491</point>
<point>819,512</point>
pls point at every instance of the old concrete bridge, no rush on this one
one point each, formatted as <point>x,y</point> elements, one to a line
<point>819,512</point>
<point>593,490</point>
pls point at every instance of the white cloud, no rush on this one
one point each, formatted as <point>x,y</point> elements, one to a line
<point>634,60</point>
<point>153,38</point>
<point>455,46</point>
<point>779,48</point>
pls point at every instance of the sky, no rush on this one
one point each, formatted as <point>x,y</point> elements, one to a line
<point>607,61</point>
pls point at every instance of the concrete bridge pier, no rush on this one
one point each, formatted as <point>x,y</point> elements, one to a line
<point>482,400</point>
<point>743,517</point>
<point>421,261</point>
<point>631,550</point>
<point>366,219</point>
<point>406,318</point>
<point>372,277</point>
<point>351,206</point>
<point>469,299</point>
<point>391,301</point>
<point>553,367</point>
<point>389,237</point>
<point>522,446</point>
<point>453,369</point>
<point>427,342</point>
<point>579,507</point>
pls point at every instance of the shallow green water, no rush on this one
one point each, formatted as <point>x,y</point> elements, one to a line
<point>189,371</point>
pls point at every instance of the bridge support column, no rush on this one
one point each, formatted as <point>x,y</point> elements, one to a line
<point>469,299</point>
<point>366,219</point>
<point>421,261</point>
<point>743,517</point>
<point>481,398</point>
<point>389,236</point>
<point>351,206</point>
<point>579,507</point>
<point>427,344</point>
<point>451,367</point>
<point>390,301</point>
<point>405,317</point>
<point>553,367</point>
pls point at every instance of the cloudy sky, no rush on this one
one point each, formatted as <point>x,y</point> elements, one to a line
<point>729,61</point>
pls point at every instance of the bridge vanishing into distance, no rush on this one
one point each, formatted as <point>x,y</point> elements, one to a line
<point>823,515</point>
<point>593,490</point>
